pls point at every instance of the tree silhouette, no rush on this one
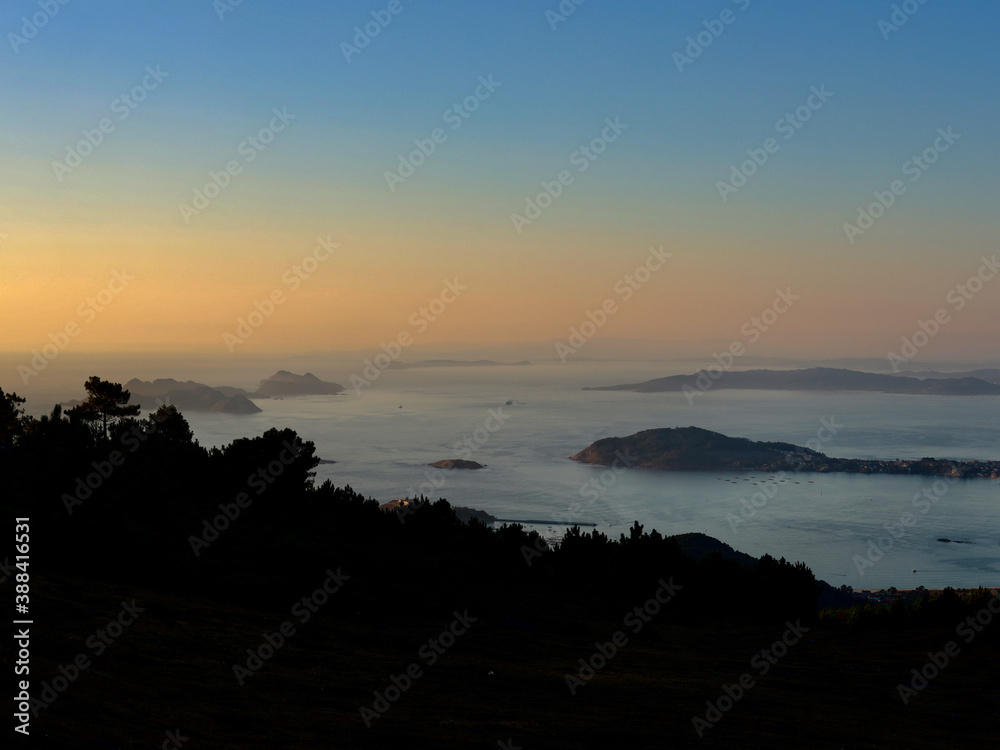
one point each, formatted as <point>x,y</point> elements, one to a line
<point>170,424</point>
<point>11,417</point>
<point>105,403</point>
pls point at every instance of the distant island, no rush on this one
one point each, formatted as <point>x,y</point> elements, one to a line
<point>453,363</point>
<point>812,379</point>
<point>284,383</point>
<point>191,396</point>
<point>989,374</point>
<point>456,463</point>
<point>697,449</point>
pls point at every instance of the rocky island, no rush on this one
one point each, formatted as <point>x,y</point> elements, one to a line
<point>284,383</point>
<point>696,449</point>
<point>191,396</point>
<point>457,463</point>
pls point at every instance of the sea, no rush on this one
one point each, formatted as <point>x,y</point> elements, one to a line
<point>865,531</point>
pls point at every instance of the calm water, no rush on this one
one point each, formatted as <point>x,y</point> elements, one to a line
<point>824,520</point>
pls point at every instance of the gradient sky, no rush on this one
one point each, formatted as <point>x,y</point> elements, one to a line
<point>324,174</point>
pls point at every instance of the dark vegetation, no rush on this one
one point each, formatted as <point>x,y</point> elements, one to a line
<point>121,506</point>
<point>130,498</point>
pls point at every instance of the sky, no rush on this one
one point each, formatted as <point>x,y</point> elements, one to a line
<point>259,177</point>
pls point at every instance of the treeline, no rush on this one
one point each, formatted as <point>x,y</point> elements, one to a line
<point>120,497</point>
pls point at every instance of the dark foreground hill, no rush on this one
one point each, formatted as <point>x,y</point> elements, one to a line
<point>812,379</point>
<point>503,681</point>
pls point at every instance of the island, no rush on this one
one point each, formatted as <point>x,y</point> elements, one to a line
<point>457,463</point>
<point>811,379</point>
<point>191,396</point>
<point>697,449</point>
<point>284,383</point>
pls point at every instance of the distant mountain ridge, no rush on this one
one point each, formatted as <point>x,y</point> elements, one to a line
<point>454,363</point>
<point>812,379</point>
<point>989,374</point>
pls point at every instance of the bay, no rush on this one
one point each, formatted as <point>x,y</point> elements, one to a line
<point>383,438</point>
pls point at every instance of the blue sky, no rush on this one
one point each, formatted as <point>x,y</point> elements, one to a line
<point>605,59</point>
<point>659,181</point>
